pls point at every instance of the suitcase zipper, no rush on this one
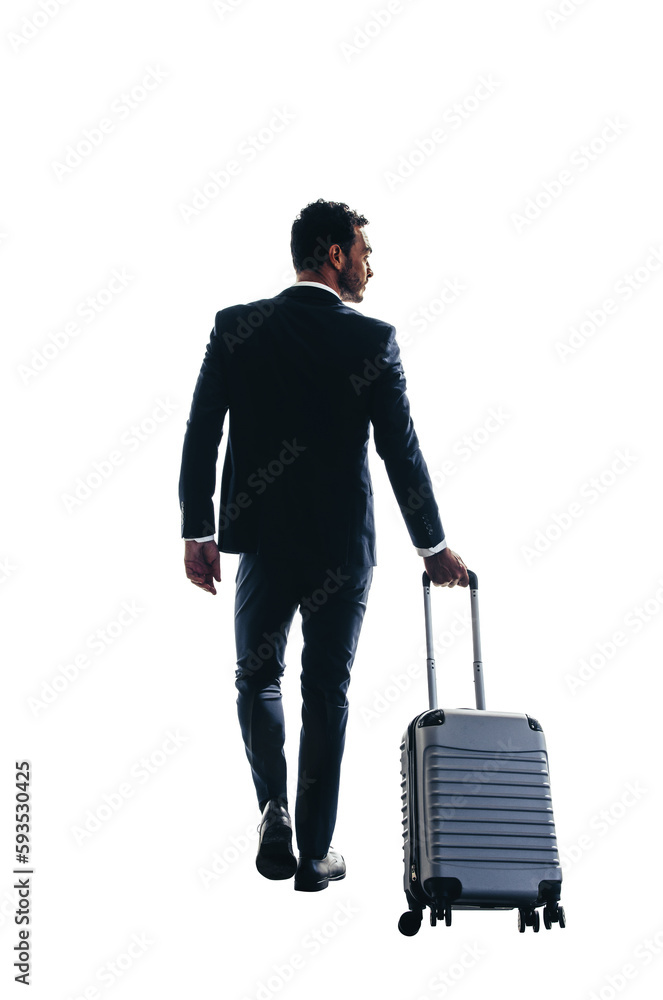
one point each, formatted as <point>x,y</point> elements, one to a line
<point>412,803</point>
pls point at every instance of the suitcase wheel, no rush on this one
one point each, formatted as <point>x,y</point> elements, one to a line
<point>409,923</point>
<point>529,918</point>
<point>440,913</point>
<point>553,914</point>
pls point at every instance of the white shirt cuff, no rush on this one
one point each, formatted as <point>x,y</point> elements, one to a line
<point>436,548</point>
<point>207,538</point>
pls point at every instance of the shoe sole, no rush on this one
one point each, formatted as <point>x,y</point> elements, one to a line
<point>275,859</point>
<point>317,886</point>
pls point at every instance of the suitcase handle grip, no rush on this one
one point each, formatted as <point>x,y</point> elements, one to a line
<point>476,642</point>
<point>474,579</point>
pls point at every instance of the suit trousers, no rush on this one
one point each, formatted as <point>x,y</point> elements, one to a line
<point>332,603</point>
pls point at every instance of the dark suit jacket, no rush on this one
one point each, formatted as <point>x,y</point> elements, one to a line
<point>303,376</point>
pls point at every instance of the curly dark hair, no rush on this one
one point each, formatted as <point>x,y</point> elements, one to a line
<point>319,226</point>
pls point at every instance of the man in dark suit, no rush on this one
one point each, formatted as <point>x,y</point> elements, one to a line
<point>303,376</point>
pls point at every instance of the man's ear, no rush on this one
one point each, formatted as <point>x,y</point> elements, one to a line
<point>334,257</point>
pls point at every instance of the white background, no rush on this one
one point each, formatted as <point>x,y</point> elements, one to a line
<point>362,97</point>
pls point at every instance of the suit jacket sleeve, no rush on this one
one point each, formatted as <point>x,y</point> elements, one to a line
<point>397,445</point>
<point>204,429</point>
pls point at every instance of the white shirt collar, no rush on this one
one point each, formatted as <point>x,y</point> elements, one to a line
<point>316,284</point>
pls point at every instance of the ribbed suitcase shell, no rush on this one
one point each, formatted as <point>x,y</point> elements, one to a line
<point>477,809</point>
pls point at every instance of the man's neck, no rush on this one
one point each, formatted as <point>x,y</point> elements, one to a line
<point>319,278</point>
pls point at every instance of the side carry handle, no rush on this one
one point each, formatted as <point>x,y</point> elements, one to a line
<point>476,642</point>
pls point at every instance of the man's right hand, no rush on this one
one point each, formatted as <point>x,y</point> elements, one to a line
<point>202,564</point>
<point>446,569</point>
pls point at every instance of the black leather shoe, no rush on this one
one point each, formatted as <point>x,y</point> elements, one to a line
<point>275,858</point>
<point>313,875</point>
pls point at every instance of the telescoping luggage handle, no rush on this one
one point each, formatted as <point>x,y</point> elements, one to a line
<point>476,642</point>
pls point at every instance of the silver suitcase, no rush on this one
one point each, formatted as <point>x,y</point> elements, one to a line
<point>478,825</point>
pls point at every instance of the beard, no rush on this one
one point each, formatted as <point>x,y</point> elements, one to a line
<point>350,285</point>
